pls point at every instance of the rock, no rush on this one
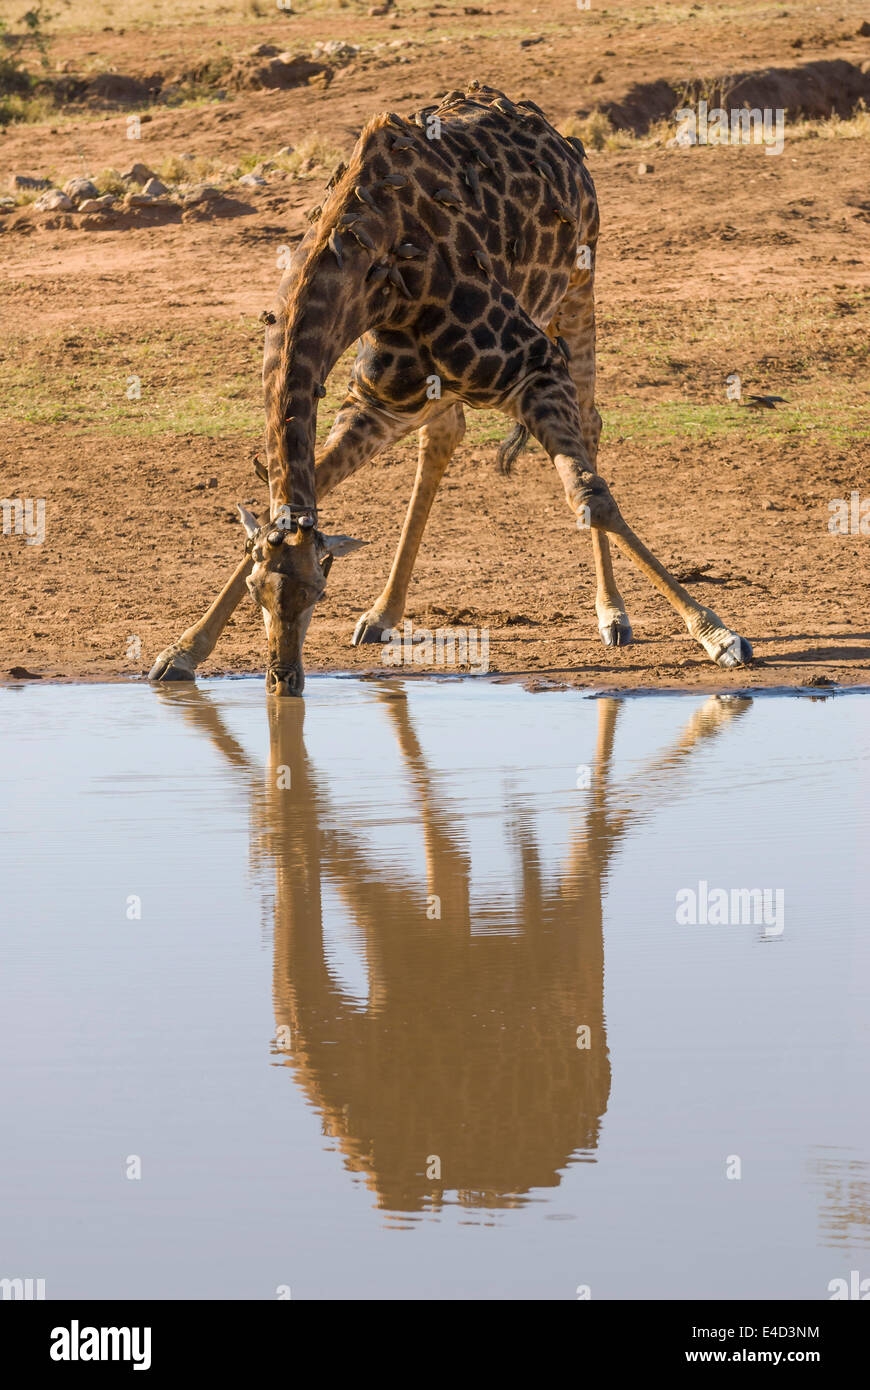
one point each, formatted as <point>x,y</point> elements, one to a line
<point>204,194</point>
<point>24,181</point>
<point>644,168</point>
<point>155,188</point>
<point>252,181</point>
<point>864,30</point>
<point>138,173</point>
<point>284,152</point>
<point>335,49</point>
<point>138,200</point>
<point>105,204</point>
<point>21,673</point>
<point>53,201</point>
<point>79,189</point>
<point>7,202</point>
<point>596,78</point>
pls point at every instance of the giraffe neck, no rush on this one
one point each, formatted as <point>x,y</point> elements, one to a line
<point>325,307</point>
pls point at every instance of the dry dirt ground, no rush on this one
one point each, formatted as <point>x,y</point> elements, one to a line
<point>718,260</point>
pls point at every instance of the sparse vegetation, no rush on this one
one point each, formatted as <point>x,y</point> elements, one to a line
<point>17,99</point>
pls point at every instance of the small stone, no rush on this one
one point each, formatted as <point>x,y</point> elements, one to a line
<point>138,200</point>
<point>155,188</point>
<point>79,189</point>
<point>53,201</point>
<point>644,168</point>
<point>138,173</point>
<point>596,78</point>
<point>97,204</point>
<point>864,29</point>
<point>252,181</point>
<point>336,49</point>
<point>203,194</point>
<point>212,482</point>
<point>284,152</point>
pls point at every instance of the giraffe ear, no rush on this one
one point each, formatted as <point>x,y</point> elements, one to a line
<point>249,521</point>
<point>337,546</point>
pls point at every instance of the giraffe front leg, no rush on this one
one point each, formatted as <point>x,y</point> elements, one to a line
<point>547,407</point>
<point>178,662</point>
<point>356,435</point>
<point>439,438</point>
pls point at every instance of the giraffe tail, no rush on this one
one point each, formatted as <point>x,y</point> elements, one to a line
<point>511,448</point>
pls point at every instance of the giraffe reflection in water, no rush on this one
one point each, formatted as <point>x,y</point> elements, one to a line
<point>466,1046</point>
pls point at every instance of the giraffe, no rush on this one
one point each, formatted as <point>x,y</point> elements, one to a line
<point>458,250</point>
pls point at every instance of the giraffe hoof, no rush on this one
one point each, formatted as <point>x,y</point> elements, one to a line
<point>737,653</point>
<point>173,665</point>
<point>367,630</point>
<point>616,634</point>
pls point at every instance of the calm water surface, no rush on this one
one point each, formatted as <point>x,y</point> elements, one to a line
<point>390,993</point>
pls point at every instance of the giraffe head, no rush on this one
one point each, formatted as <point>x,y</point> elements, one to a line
<point>289,576</point>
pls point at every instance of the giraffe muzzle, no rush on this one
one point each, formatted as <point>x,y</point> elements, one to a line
<point>285,680</point>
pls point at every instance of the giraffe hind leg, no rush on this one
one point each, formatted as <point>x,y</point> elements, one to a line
<point>547,405</point>
<point>573,326</point>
